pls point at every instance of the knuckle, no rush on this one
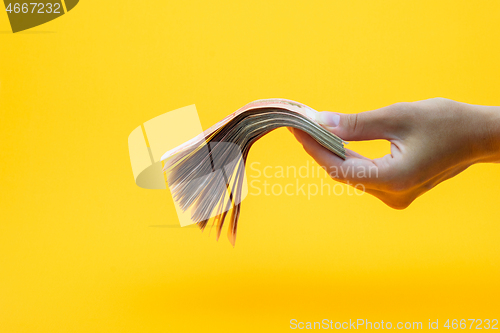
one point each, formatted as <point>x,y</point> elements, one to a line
<point>440,99</point>
<point>353,123</point>
<point>349,120</point>
<point>400,205</point>
<point>400,202</point>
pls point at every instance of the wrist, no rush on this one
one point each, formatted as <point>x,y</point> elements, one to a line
<point>485,124</point>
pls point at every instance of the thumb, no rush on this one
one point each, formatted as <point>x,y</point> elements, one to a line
<point>369,125</point>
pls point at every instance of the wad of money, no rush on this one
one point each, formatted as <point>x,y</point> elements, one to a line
<point>206,175</point>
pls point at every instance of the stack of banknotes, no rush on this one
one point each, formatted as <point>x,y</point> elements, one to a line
<point>206,174</point>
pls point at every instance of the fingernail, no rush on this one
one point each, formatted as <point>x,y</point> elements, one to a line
<point>329,119</point>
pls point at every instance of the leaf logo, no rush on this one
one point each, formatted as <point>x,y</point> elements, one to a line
<point>26,15</point>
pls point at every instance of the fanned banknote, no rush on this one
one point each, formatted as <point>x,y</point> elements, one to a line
<point>206,174</point>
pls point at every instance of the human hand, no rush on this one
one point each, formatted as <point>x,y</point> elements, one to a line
<point>431,141</point>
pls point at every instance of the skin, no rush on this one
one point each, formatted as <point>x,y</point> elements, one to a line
<point>431,141</point>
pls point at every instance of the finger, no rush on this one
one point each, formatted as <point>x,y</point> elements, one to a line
<point>355,168</point>
<point>369,125</point>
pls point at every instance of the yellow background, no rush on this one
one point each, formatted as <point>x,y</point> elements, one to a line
<point>83,249</point>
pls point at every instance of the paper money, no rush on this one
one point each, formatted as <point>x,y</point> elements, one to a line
<point>206,174</point>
